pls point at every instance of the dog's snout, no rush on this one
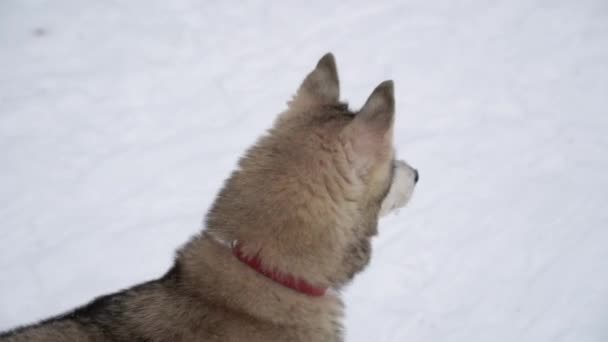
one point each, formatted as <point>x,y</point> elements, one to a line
<point>416,176</point>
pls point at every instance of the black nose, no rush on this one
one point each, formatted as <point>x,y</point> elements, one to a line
<point>416,177</point>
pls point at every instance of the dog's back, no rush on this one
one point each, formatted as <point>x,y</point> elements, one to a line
<point>108,318</point>
<point>181,307</point>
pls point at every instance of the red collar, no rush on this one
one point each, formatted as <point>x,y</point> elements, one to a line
<point>286,280</point>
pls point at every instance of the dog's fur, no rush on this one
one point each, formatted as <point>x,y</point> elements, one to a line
<point>305,199</point>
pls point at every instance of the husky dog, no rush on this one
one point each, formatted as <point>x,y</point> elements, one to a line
<point>291,226</point>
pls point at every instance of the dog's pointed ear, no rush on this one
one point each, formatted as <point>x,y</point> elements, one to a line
<point>371,132</point>
<point>378,112</point>
<point>321,86</point>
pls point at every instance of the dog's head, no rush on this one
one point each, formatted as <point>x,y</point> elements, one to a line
<point>306,197</point>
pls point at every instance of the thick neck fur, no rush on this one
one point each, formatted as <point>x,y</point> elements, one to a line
<point>208,270</point>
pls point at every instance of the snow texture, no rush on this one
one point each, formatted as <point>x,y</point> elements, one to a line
<point>119,121</point>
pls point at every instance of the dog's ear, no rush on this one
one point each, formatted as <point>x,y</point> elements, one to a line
<point>321,86</point>
<point>371,131</point>
<point>378,112</point>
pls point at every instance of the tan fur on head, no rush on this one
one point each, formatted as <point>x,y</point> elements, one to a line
<point>306,198</point>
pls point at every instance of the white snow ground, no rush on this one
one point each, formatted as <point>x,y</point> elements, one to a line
<point>120,119</point>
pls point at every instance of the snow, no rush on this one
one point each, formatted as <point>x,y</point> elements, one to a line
<point>119,121</point>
